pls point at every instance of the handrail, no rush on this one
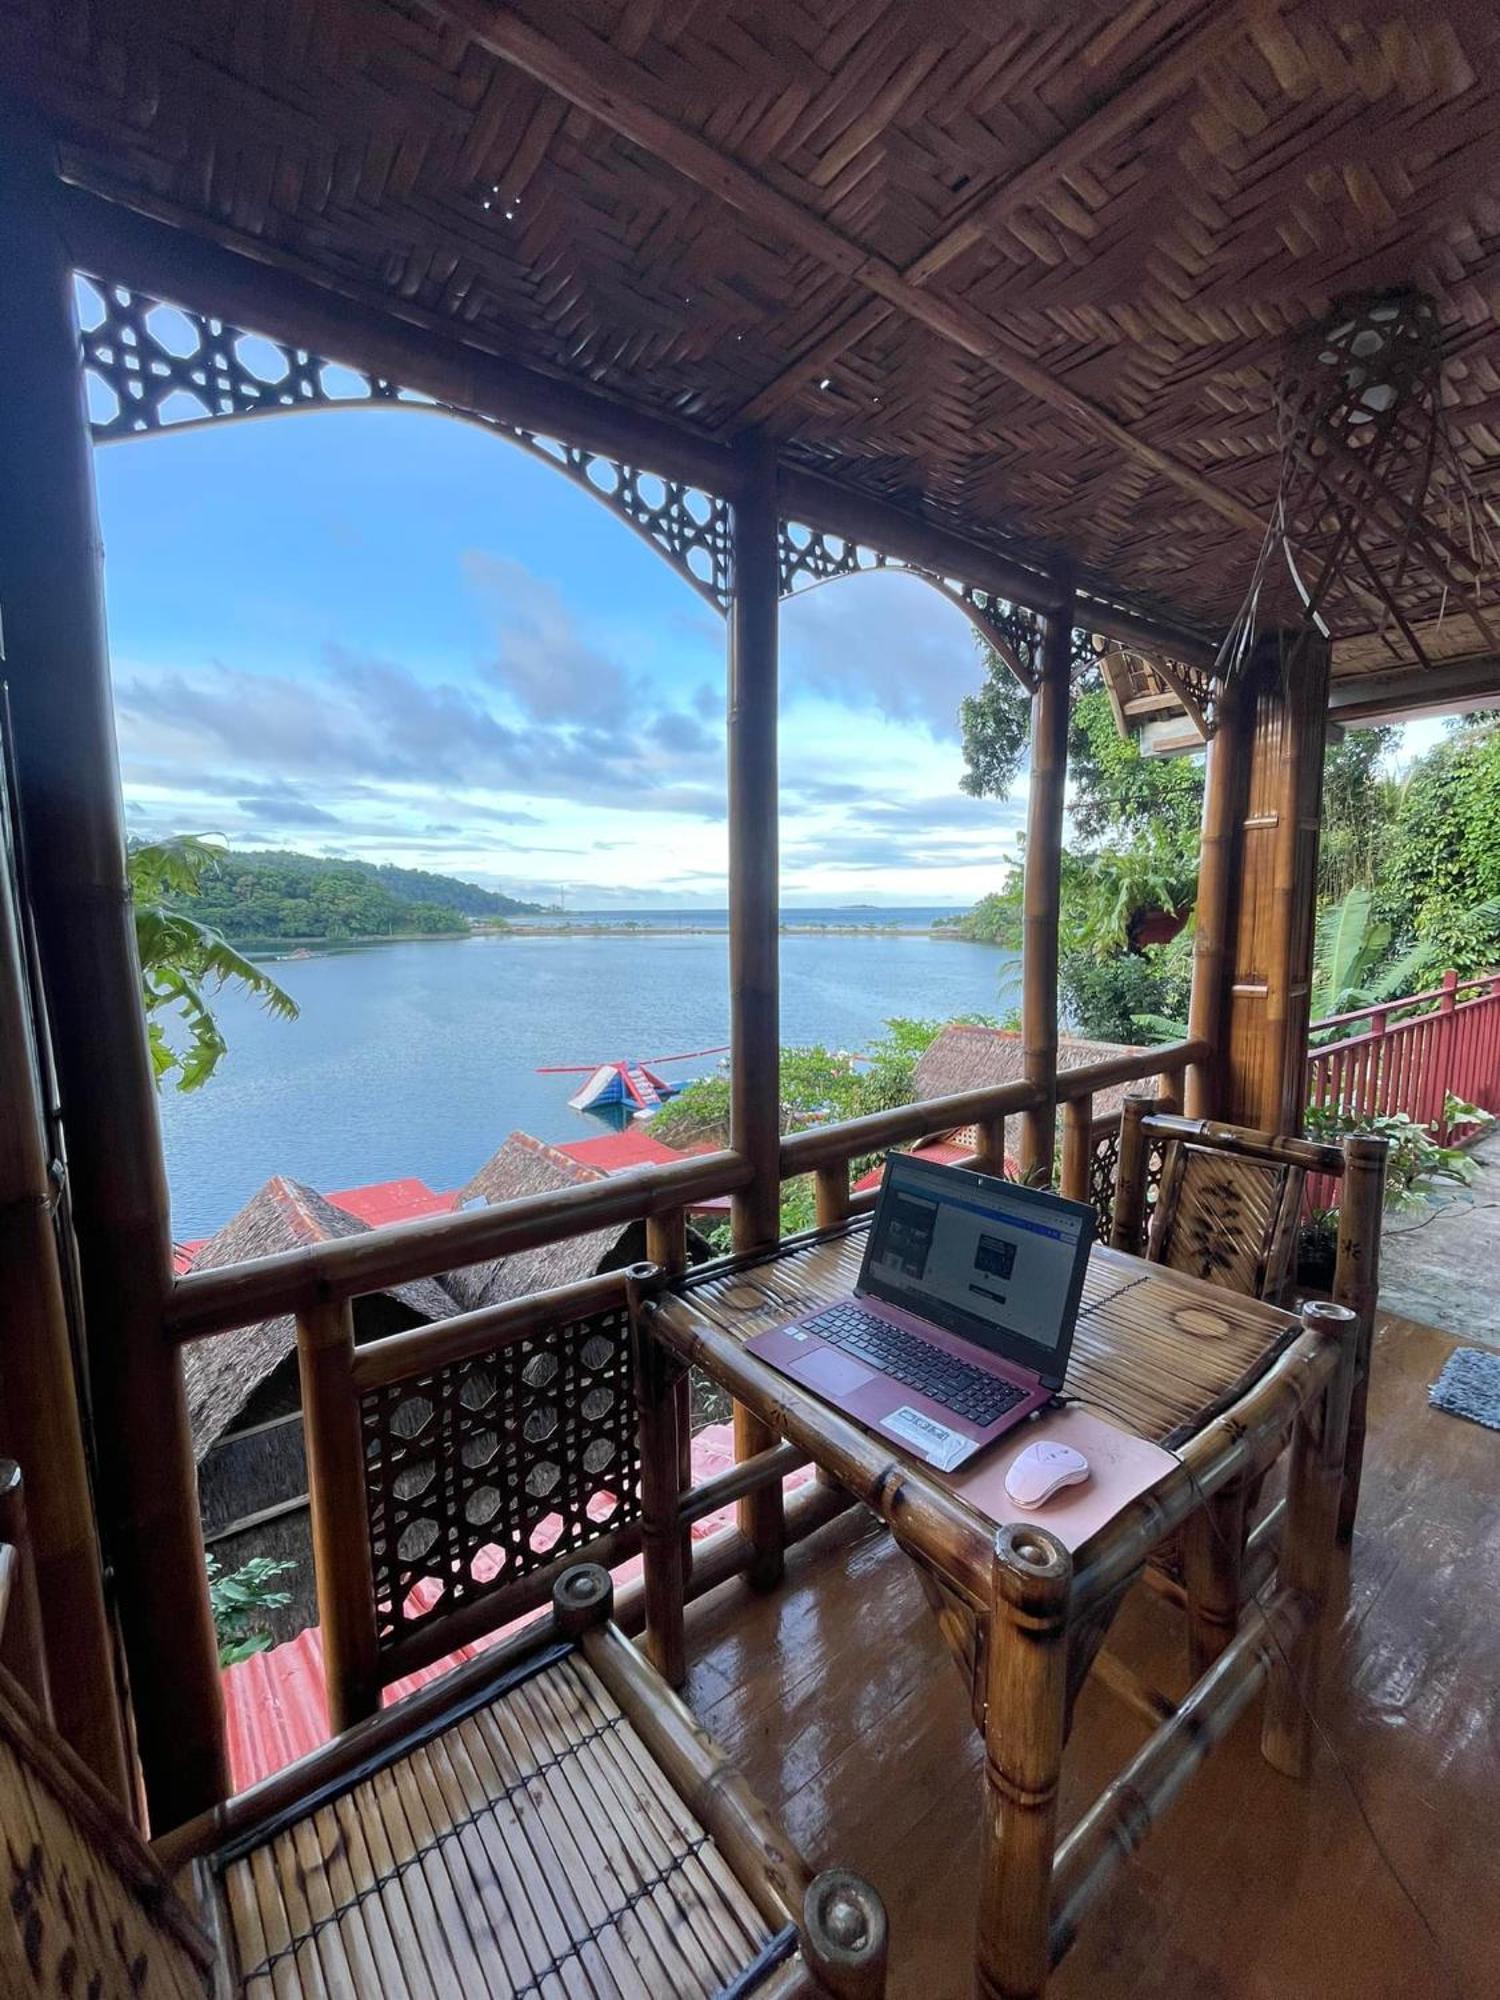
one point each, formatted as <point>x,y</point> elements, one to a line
<point>828,1145</point>
<point>213,1301</point>
<point>1162,1060</point>
<point>1488,979</point>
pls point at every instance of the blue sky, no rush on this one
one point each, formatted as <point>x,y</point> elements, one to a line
<point>386,633</point>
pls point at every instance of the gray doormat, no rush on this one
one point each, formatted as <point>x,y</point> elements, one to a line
<point>1469,1386</point>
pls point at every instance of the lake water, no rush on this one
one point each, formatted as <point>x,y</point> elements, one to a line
<point>420,1058</point>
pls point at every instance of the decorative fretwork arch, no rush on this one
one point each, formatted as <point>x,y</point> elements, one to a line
<point>151,366</point>
<point>808,557</point>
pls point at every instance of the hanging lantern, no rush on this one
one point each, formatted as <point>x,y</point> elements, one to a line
<point>1375,514</point>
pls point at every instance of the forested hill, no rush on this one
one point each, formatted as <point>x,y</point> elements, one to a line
<point>277,894</point>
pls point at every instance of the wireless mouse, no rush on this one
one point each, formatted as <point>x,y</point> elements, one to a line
<point>1037,1472</point>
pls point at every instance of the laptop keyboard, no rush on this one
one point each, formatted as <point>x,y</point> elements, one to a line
<point>967,1392</point>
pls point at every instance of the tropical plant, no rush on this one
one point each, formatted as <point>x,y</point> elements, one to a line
<point>185,963</point>
<point>240,1601</point>
<point>1418,1168</point>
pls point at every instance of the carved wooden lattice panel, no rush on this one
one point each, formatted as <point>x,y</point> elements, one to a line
<point>149,366</point>
<point>807,556</point>
<point>1104,1163</point>
<point>482,1471</point>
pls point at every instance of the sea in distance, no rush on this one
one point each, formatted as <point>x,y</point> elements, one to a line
<point>419,1057</point>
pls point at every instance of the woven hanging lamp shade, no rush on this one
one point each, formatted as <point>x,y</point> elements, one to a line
<point>1375,514</point>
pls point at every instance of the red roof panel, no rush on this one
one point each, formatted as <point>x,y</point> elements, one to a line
<point>393,1201</point>
<point>275,1709</point>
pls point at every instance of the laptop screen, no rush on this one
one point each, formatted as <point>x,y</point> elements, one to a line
<point>999,1264</point>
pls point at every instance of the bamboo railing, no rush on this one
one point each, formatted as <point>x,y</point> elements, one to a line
<point>1409,1055</point>
<point>319,1283</point>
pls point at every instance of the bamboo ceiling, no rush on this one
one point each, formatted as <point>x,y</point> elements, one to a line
<point>1023,269</point>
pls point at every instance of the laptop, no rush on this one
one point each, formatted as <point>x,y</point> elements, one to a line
<point>962,1320</point>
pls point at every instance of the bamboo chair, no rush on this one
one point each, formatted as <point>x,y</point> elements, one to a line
<point>547,1819</point>
<point>1227,1210</point>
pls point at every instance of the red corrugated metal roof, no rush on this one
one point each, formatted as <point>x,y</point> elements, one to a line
<point>947,1152</point>
<point>184,1255</point>
<point>618,1152</point>
<point>275,1709</point>
<point>393,1201</point>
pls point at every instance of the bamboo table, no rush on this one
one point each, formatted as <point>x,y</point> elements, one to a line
<point>1223,1381</point>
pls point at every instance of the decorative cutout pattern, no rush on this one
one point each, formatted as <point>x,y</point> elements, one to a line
<point>1104,1164</point>
<point>149,366</point>
<point>478,1473</point>
<point>808,557</point>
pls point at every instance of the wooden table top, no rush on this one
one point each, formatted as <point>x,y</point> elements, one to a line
<point>1156,1352</point>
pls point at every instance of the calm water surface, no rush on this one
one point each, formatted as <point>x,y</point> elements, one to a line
<point>419,1058</point>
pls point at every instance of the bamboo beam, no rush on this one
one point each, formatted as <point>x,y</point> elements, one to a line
<point>227,274</point>
<point>1042,892</point>
<point>74,829</point>
<point>41,1425</point>
<point>987,211</point>
<point>754,928</point>
<point>613,88</point>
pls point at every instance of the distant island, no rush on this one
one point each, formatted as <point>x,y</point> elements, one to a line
<point>277,896</point>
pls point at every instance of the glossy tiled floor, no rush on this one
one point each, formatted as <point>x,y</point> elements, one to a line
<point>838,1698</point>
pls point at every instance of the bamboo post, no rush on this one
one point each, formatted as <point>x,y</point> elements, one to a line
<point>754,941</point>
<point>340,1520</point>
<point>1314,1482</point>
<point>1356,1284</point>
<point>73,825</point>
<point>831,1195</point>
<point>40,1420</point>
<point>664,1578</point>
<point>1127,1225</point>
<point>1218,858</point>
<point>1027,1673</point>
<point>989,1150</point>
<point>667,1249</point>
<point>1213,1556</point>
<point>22,1652</point>
<point>1077,1147</point>
<point>1042,889</point>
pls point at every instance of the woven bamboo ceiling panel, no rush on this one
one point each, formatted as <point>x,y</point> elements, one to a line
<point>1026,269</point>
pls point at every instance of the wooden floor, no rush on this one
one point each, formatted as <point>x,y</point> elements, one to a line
<point>838,1699</point>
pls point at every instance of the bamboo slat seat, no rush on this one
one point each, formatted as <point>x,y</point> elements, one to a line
<point>532,1847</point>
<point>548,1821</point>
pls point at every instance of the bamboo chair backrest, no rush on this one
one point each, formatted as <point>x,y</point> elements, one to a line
<point>493,1450</point>
<point>87,1908</point>
<point>1229,1203</point>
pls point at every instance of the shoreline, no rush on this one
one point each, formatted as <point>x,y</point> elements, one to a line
<point>281,950</point>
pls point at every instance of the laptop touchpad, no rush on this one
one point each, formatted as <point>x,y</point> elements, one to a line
<point>831,1373</point>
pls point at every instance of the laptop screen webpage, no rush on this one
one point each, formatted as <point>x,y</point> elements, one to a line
<point>1001,1265</point>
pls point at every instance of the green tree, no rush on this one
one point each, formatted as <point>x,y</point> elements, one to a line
<point>1440,888</point>
<point>185,963</point>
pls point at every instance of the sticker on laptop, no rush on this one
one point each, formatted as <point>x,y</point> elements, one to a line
<point>937,1444</point>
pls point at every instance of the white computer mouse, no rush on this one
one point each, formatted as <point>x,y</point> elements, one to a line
<point>1037,1472</point>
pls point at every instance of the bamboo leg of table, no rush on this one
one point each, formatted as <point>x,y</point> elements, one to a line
<point>1027,1674</point>
<point>664,1574</point>
<point>1314,1484</point>
<point>1213,1551</point>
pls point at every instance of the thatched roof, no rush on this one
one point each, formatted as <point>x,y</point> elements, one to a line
<point>1022,270</point>
<point>524,1165</point>
<point>966,1057</point>
<point>222,1374</point>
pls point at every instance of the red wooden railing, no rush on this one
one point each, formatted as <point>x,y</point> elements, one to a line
<point>1412,1054</point>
